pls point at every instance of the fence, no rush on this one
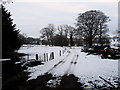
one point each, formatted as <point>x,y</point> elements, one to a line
<point>43,57</point>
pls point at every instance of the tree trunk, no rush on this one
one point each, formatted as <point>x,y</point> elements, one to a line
<point>48,42</point>
<point>100,40</point>
<point>90,42</point>
<point>90,38</point>
<point>71,40</point>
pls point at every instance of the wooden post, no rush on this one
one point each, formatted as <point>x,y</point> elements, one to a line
<point>44,57</point>
<point>36,56</point>
<point>60,52</point>
<point>28,57</point>
<point>63,51</point>
<point>51,56</point>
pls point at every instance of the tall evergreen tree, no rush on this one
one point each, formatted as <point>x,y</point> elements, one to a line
<point>10,39</point>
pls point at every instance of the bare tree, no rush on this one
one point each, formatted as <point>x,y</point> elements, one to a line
<point>61,34</point>
<point>48,33</point>
<point>91,24</point>
<point>67,31</point>
<point>51,28</point>
<point>71,34</point>
<point>45,34</point>
<point>60,30</point>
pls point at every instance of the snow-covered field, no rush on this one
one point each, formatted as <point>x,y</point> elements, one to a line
<point>86,67</point>
<point>32,50</point>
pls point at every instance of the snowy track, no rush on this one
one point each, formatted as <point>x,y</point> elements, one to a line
<point>65,66</point>
<point>88,68</point>
<point>72,63</point>
<point>61,62</point>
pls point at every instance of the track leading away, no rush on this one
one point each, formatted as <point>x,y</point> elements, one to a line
<point>65,66</point>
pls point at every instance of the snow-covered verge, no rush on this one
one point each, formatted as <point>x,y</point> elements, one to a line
<point>92,67</point>
<point>88,68</point>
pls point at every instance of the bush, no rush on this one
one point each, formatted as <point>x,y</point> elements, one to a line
<point>13,82</point>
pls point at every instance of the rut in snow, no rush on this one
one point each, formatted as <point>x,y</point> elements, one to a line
<point>72,64</point>
<point>70,59</point>
<point>59,63</point>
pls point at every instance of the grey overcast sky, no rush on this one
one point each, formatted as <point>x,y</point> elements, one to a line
<point>32,15</point>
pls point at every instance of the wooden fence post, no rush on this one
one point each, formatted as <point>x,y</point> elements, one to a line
<point>63,51</point>
<point>36,56</point>
<point>60,52</point>
<point>44,57</point>
<point>51,56</point>
<point>28,57</point>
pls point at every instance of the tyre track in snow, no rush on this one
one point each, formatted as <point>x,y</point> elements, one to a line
<point>72,64</point>
<point>61,62</point>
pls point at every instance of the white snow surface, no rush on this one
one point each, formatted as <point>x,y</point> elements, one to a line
<point>73,61</point>
<point>32,50</point>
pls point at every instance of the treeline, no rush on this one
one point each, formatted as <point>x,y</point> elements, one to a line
<point>90,29</point>
<point>62,35</point>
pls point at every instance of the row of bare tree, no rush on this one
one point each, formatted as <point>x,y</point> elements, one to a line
<point>91,28</point>
<point>60,36</point>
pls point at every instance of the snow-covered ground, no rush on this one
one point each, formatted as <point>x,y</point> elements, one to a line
<point>32,50</point>
<point>86,67</point>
